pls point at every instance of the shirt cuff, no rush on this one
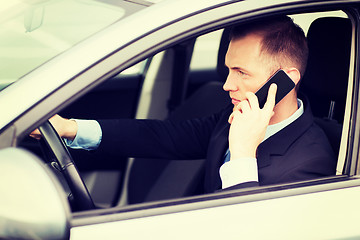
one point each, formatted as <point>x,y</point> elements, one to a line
<point>88,136</point>
<point>238,171</point>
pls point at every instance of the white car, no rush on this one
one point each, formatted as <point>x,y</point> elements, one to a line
<point>140,59</point>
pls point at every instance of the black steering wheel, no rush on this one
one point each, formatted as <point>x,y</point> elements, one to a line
<point>65,164</point>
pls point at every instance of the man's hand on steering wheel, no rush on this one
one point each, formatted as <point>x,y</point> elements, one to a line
<point>66,128</point>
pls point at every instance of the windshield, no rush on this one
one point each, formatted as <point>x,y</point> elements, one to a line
<point>33,31</point>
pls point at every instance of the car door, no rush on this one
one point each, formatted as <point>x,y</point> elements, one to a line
<point>299,210</point>
<point>308,209</point>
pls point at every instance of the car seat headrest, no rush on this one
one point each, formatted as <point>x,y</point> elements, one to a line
<point>326,77</point>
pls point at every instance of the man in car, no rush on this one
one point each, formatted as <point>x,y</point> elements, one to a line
<point>244,145</point>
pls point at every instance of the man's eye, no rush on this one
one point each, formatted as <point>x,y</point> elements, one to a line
<point>241,73</point>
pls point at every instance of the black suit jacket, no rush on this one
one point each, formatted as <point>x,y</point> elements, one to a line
<point>300,151</point>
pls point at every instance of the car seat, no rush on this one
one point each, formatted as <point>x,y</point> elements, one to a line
<point>166,179</point>
<point>325,80</point>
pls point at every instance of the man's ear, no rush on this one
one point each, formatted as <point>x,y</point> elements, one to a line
<point>294,74</point>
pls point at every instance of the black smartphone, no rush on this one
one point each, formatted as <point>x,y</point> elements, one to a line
<point>284,86</point>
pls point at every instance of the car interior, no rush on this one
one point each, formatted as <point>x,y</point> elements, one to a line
<point>183,94</point>
<point>325,91</point>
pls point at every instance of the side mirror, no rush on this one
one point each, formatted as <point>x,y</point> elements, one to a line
<point>33,204</point>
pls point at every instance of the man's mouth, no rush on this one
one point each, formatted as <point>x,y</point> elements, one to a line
<point>235,101</point>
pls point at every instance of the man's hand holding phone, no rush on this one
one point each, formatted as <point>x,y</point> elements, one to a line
<point>248,124</point>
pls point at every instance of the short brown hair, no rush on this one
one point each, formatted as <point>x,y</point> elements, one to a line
<point>282,39</point>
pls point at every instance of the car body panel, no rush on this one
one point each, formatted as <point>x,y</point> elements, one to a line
<point>326,214</point>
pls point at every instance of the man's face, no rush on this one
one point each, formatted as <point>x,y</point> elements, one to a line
<point>247,69</point>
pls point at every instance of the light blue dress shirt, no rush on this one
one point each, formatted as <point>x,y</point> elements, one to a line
<point>88,136</point>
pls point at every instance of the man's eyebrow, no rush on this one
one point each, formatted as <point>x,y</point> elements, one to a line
<point>237,68</point>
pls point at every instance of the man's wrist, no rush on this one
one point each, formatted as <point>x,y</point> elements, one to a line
<point>71,129</point>
<point>238,154</point>
<point>88,135</point>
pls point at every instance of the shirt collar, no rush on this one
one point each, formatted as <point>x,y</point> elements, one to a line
<point>272,129</point>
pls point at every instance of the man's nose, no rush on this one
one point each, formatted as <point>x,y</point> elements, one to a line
<point>229,84</point>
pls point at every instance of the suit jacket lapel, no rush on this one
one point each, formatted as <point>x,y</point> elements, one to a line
<point>279,143</point>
